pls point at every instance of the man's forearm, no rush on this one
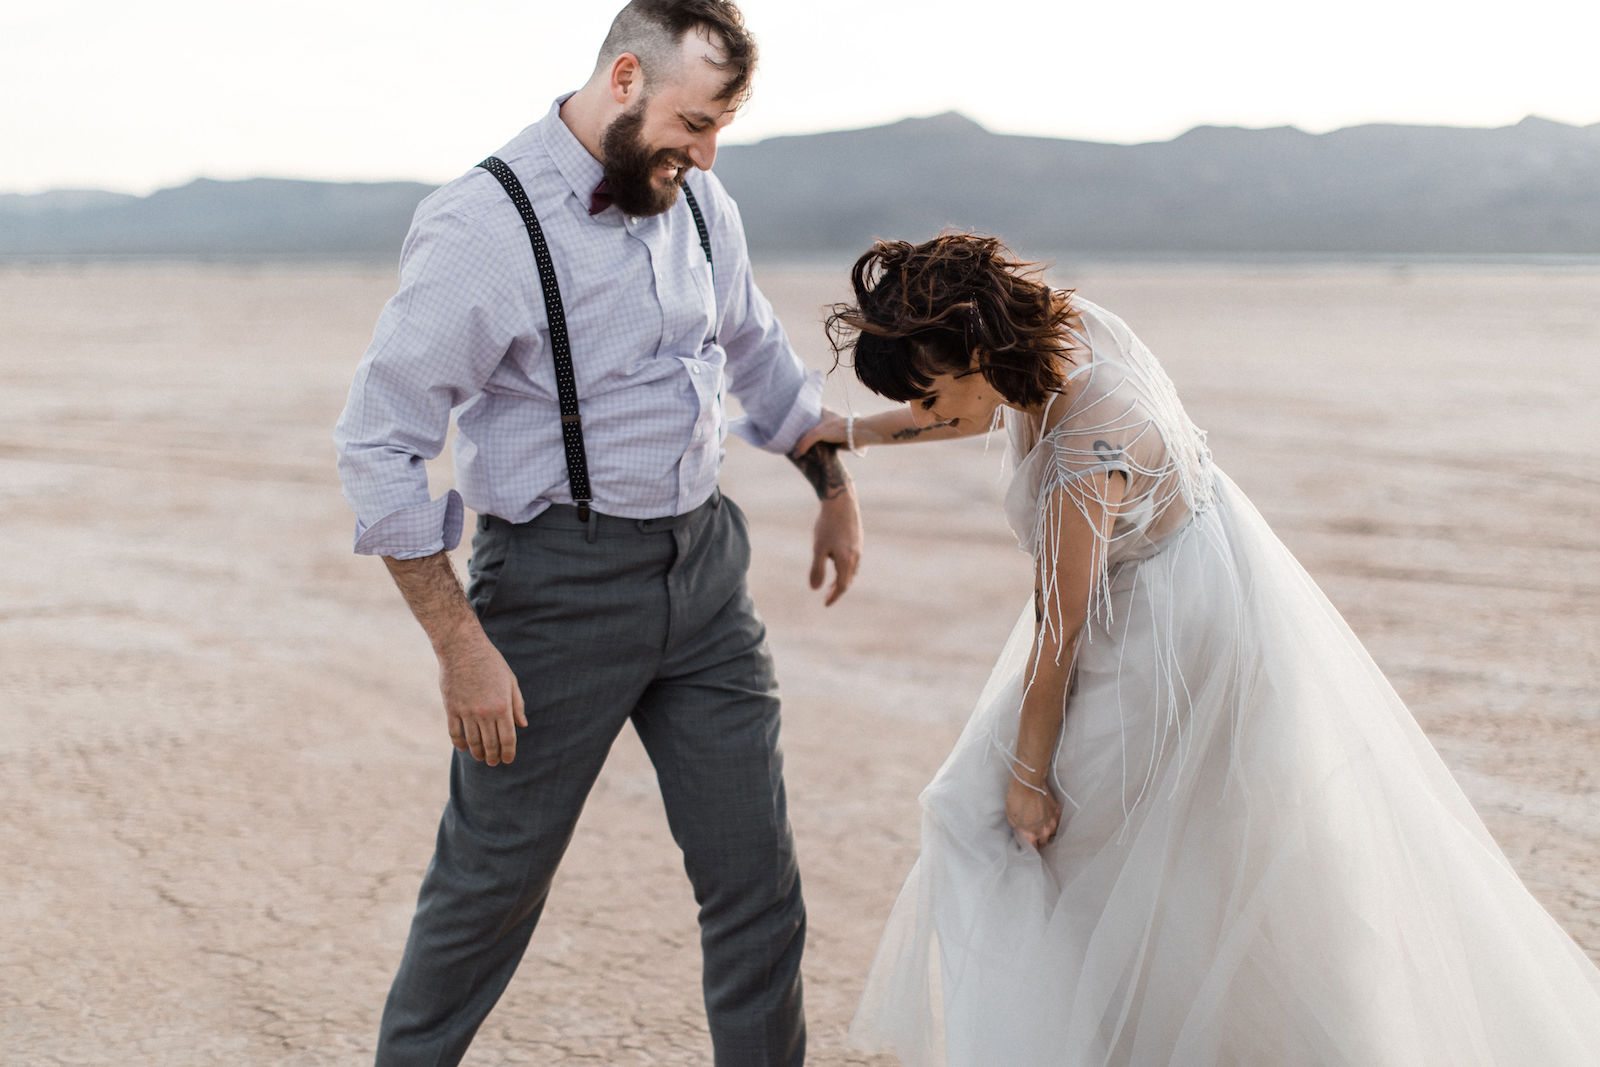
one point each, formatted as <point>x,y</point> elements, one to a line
<point>824,470</point>
<point>435,596</point>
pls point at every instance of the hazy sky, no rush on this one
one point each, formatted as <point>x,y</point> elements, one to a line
<point>134,96</point>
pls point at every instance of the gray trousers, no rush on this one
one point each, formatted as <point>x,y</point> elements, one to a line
<point>649,621</point>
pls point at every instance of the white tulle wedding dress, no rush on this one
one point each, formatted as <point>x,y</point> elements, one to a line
<point>1262,861</point>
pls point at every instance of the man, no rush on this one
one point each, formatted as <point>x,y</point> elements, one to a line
<point>579,618</point>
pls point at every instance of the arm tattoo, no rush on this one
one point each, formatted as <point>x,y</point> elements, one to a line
<point>820,464</point>
<point>911,433</point>
<point>1038,605</point>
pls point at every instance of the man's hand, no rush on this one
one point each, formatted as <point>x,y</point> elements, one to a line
<point>837,535</point>
<point>482,701</point>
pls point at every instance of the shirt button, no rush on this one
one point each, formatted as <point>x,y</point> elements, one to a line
<point>634,219</point>
<point>694,369</point>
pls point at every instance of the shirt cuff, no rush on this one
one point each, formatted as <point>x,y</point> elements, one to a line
<point>413,532</point>
<point>803,414</point>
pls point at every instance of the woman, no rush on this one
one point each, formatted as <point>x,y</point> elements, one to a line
<point>1189,822</point>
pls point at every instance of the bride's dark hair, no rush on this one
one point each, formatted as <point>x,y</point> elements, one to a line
<point>923,310</point>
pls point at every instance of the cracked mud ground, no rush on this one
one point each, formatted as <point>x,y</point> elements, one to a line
<point>221,760</point>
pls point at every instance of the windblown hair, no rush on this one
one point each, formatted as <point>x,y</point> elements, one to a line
<point>930,309</point>
<point>653,30</point>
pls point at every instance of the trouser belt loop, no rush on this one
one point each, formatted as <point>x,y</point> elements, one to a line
<point>591,520</point>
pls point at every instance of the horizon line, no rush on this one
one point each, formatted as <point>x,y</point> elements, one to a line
<point>924,117</point>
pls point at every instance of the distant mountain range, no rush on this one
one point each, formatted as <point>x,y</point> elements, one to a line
<point>1529,188</point>
<point>258,217</point>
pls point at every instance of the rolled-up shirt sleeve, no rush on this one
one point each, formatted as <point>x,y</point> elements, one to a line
<point>780,398</point>
<point>436,343</point>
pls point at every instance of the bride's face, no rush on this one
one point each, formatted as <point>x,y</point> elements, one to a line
<point>964,400</point>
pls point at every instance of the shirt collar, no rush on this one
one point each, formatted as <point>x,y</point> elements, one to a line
<point>580,169</point>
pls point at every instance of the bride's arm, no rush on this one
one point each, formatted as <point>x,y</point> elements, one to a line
<point>897,426</point>
<point>893,427</point>
<point>1070,565</point>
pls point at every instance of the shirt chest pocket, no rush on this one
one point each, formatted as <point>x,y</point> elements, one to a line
<point>687,305</point>
<point>705,287</point>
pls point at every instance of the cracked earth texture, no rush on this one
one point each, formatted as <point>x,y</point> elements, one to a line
<point>221,759</point>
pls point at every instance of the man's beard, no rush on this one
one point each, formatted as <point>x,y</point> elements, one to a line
<point>630,162</point>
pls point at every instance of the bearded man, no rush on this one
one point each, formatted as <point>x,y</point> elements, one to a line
<point>582,301</point>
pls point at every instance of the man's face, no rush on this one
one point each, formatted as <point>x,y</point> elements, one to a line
<point>672,128</point>
<point>643,179</point>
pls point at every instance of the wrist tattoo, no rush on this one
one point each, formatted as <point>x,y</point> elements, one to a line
<point>820,464</point>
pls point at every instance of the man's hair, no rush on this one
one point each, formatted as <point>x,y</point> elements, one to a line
<point>653,31</point>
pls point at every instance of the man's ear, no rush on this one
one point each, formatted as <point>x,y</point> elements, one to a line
<point>627,79</point>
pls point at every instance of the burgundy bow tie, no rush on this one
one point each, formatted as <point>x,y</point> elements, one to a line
<point>600,199</point>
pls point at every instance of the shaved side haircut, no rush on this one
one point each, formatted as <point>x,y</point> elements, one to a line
<point>653,31</point>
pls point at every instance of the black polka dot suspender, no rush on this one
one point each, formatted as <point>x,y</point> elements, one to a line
<point>566,388</point>
<point>699,221</point>
<point>560,344</point>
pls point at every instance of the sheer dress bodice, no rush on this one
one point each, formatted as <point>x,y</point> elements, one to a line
<point>1123,416</point>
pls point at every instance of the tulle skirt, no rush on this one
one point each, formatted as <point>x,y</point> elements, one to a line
<point>1262,859</point>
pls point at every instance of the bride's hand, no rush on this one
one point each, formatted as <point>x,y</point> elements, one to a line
<point>831,428</point>
<point>1034,816</point>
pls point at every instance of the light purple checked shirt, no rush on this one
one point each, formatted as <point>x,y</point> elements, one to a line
<point>657,338</point>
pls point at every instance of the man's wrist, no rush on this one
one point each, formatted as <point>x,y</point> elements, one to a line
<point>821,466</point>
<point>845,496</point>
<point>456,634</point>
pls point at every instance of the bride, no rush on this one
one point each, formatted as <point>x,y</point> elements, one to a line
<point>1189,822</point>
